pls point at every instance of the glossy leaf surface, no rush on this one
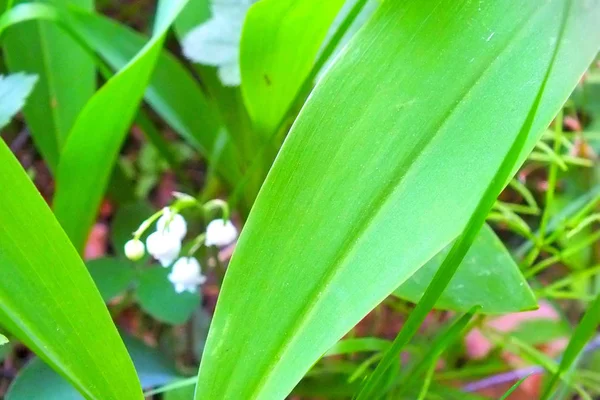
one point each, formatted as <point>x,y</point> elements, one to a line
<point>360,195</point>
<point>48,299</point>
<point>499,286</point>
<point>272,75</point>
<point>98,133</point>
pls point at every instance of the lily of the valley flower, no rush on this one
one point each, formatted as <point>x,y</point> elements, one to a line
<point>164,247</point>
<point>220,233</point>
<point>172,224</point>
<point>186,275</point>
<point>134,249</point>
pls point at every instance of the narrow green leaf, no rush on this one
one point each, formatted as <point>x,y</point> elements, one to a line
<point>158,297</point>
<point>14,89</point>
<point>172,91</point>
<point>67,79</point>
<point>487,276</point>
<point>380,172</point>
<point>514,387</point>
<point>272,75</point>
<point>99,131</point>
<point>47,298</point>
<point>349,346</point>
<point>442,341</point>
<point>583,334</point>
<point>112,276</point>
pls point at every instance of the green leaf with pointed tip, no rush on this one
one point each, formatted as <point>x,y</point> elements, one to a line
<point>272,75</point>
<point>382,169</point>
<point>14,89</point>
<point>67,79</point>
<point>98,133</point>
<point>500,287</point>
<point>48,299</point>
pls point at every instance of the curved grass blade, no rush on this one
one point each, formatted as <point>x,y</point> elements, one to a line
<point>48,299</point>
<point>513,388</point>
<point>584,332</point>
<point>358,197</point>
<point>99,131</point>
<point>459,249</point>
<point>41,48</point>
<point>272,75</point>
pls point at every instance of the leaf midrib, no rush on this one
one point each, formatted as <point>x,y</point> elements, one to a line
<point>315,299</point>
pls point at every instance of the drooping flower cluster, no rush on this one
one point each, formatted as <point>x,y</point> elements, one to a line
<point>165,244</point>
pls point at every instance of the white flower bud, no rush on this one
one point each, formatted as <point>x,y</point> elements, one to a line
<point>164,247</point>
<point>186,275</point>
<point>220,233</point>
<point>173,224</point>
<point>134,249</point>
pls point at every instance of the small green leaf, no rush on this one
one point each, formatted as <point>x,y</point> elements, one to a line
<point>158,297</point>
<point>14,89</point>
<point>488,276</point>
<point>3,340</point>
<point>112,276</point>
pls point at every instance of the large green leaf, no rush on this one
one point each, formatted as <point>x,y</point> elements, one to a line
<point>381,171</point>
<point>48,299</point>
<point>499,286</point>
<point>272,74</point>
<point>67,78</point>
<point>100,129</point>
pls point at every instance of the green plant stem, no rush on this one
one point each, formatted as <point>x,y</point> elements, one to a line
<point>550,191</point>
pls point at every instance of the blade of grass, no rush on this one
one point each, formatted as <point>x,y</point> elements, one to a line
<point>460,248</point>
<point>584,332</point>
<point>514,387</point>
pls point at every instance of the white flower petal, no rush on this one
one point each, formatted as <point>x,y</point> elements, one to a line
<point>186,274</point>
<point>173,224</point>
<point>220,233</point>
<point>163,247</point>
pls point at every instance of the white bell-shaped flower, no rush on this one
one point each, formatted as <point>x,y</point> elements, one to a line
<point>173,224</point>
<point>164,247</point>
<point>220,233</point>
<point>186,275</point>
<point>134,249</point>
